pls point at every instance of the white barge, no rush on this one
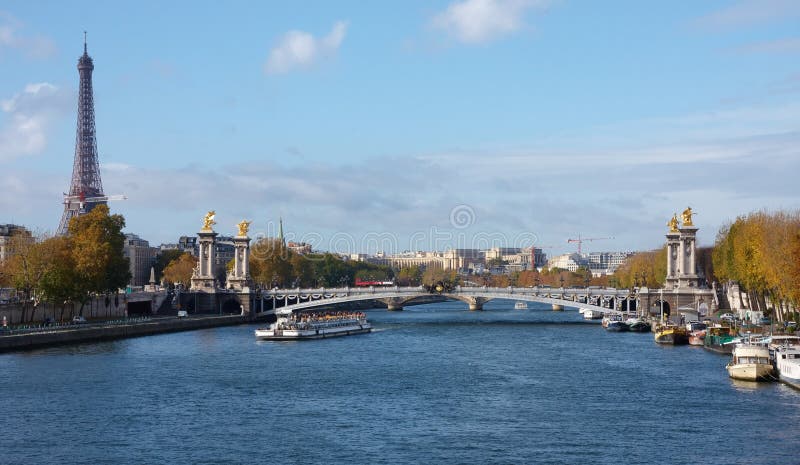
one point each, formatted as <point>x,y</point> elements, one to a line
<point>290,326</point>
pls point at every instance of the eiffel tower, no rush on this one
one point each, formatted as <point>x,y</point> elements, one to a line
<point>86,188</point>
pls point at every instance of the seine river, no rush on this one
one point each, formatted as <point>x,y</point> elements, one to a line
<point>432,384</point>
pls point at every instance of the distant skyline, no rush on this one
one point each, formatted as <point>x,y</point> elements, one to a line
<point>409,124</point>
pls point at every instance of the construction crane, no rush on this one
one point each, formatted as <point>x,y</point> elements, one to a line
<point>580,240</point>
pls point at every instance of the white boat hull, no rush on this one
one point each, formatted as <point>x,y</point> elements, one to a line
<point>297,334</point>
<point>750,371</point>
<point>787,362</point>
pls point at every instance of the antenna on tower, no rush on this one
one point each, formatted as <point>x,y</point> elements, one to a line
<point>84,42</point>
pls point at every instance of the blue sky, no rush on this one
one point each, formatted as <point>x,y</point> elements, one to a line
<point>381,125</point>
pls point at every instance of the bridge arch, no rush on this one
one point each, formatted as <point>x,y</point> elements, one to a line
<point>303,299</point>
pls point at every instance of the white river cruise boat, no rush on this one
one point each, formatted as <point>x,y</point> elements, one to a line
<point>291,326</point>
<point>750,361</point>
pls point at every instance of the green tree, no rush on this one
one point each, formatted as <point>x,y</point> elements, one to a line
<point>61,283</point>
<point>270,263</point>
<point>331,271</point>
<point>302,270</point>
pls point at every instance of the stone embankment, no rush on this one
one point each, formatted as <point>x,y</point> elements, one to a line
<point>101,332</point>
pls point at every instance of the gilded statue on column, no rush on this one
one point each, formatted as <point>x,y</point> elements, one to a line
<point>687,217</point>
<point>208,220</point>
<point>244,226</point>
<point>673,223</point>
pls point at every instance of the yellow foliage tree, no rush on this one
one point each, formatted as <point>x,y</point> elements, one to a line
<point>180,269</point>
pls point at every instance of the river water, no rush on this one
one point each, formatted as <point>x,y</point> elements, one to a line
<point>432,384</point>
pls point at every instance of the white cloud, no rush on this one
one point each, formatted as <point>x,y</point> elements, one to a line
<point>34,46</point>
<point>747,13</point>
<point>298,49</point>
<point>607,187</point>
<point>28,117</point>
<point>476,21</point>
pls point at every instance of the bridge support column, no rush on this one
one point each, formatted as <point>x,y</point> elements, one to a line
<point>476,303</point>
<point>394,304</point>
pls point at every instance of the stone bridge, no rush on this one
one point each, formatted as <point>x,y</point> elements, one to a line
<point>607,300</point>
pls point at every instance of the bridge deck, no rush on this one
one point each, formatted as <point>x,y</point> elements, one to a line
<point>570,297</point>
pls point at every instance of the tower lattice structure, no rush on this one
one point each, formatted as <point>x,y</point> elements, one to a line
<point>86,188</point>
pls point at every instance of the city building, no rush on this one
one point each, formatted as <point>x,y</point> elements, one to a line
<point>605,263</point>
<point>224,250</point>
<point>301,248</point>
<point>599,263</point>
<point>141,256</point>
<point>7,231</point>
<point>569,262</point>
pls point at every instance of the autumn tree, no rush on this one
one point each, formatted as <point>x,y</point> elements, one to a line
<point>61,283</point>
<point>24,270</point>
<point>180,269</point>
<point>409,276</point>
<point>164,258</point>
<point>643,268</point>
<point>96,242</point>
<point>759,251</point>
<point>434,276</point>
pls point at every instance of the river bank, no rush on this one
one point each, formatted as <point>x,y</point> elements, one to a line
<point>44,337</point>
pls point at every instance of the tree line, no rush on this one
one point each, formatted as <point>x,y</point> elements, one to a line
<point>69,270</point>
<point>761,252</point>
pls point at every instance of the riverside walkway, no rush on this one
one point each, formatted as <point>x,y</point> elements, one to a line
<point>31,337</point>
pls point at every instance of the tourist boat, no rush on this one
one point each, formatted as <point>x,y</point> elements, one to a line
<point>617,326</point>
<point>671,334</point>
<point>291,326</point>
<point>613,322</point>
<point>520,305</point>
<point>589,314</point>
<point>786,359</point>
<point>720,339</point>
<point>750,361</point>
<point>638,325</point>
<point>697,333</point>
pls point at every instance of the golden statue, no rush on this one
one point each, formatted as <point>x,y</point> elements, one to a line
<point>243,227</point>
<point>673,223</point>
<point>208,220</point>
<point>687,217</point>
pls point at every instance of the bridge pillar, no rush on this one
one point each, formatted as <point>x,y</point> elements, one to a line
<point>394,304</point>
<point>476,303</point>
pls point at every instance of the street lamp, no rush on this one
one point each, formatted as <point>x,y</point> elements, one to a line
<point>561,279</point>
